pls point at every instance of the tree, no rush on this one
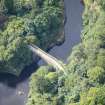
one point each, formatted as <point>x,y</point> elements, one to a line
<point>3,7</point>
<point>14,52</point>
<point>48,21</point>
<point>9,5</point>
<point>88,2</point>
<point>43,87</point>
<point>21,29</point>
<point>95,96</point>
<point>101,58</point>
<point>51,2</point>
<point>96,74</point>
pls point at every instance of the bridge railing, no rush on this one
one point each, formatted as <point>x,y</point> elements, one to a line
<point>48,58</point>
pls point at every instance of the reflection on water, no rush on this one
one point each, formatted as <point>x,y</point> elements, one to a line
<point>11,85</point>
<point>72,29</point>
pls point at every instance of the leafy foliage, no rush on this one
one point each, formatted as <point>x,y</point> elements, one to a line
<point>43,88</point>
<point>95,96</point>
<point>85,79</point>
<point>96,74</point>
<point>13,47</point>
<point>29,22</point>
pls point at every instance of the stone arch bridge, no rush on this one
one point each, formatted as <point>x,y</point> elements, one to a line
<point>49,59</point>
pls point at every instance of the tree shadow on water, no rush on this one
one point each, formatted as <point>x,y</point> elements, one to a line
<point>12,81</point>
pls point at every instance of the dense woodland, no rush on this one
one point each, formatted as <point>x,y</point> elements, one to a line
<point>25,22</point>
<point>84,83</point>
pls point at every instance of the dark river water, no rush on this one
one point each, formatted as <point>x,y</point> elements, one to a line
<point>10,85</point>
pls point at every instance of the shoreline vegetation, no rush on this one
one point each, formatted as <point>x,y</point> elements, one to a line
<point>39,22</point>
<point>26,22</point>
<point>85,82</point>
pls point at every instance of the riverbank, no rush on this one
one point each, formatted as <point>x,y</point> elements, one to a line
<point>84,82</point>
<point>44,83</point>
<point>21,83</point>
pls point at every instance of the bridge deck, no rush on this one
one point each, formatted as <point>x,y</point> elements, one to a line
<point>47,57</point>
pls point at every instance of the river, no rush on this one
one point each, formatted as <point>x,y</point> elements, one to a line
<point>10,85</point>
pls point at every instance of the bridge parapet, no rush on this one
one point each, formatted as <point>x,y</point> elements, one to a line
<point>57,64</point>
